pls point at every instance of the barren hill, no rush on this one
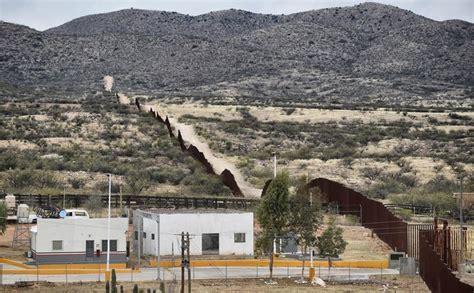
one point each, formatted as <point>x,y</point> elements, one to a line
<point>369,52</point>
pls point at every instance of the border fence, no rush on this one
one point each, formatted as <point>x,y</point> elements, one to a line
<point>436,250</point>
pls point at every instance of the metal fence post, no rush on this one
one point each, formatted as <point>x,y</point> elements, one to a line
<point>287,270</point>
<point>99,272</point>
<point>257,270</point>
<point>66,273</point>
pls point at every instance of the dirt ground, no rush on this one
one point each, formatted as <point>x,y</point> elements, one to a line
<point>362,246</point>
<point>5,246</point>
<point>394,283</point>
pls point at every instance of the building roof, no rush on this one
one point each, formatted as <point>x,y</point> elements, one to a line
<point>194,211</point>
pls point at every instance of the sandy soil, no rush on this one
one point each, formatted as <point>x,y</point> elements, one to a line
<point>17,144</point>
<point>362,246</point>
<point>395,284</point>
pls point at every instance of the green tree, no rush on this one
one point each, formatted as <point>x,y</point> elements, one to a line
<point>3,217</point>
<point>272,214</point>
<point>305,217</point>
<point>331,243</point>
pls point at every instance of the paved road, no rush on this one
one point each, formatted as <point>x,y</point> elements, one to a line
<point>148,274</point>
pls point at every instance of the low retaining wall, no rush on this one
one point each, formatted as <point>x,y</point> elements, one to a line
<point>374,264</point>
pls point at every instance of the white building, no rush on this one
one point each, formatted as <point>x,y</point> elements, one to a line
<point>211,232</point>
<point>79,240</point>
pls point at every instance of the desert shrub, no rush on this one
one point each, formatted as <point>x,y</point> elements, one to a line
<point>77,183</point>
<point>137,181</point>
<point>441,184</point>
<point>404,214</point>
<point>7,160</point>
<point>459,117</point>
<point>31,179</point>
<point>372,173</point>
<point>172,175</point>
<point>289,111</point>
<point>103,186</point>
<point>94,203</point>
<point>337,152</point>
<point>205,184</point>
<point>442,202</point>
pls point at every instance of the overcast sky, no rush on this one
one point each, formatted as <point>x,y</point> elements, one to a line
<point>44,14</point>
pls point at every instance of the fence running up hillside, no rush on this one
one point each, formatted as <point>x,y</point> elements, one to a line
<point>437,250</point>
<point>374,215</point>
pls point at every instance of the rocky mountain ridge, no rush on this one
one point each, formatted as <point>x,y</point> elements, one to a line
<point>366,52</point>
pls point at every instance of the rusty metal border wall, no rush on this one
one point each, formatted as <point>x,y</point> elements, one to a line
<point>374,215</point>
<point>436,274</point>
<point>228,179</point>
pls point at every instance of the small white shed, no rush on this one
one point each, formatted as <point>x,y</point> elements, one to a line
<point>79,240</point>
<point>224,232</point>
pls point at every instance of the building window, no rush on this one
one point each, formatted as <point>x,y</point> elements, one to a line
<point>239,237</point>
<point>136,235</point>
<point>57,245</point>
<point>113,245</point>
<point>144,234</point>
<point>210,243</point>
<point>152,236</point>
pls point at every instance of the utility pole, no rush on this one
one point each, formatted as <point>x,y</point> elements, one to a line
<point>188,262</point>
<point>185,260</point>
<point>108,225</point>
<point>158,256</point>
<point>311,269</point>
<point>182,261</point>
<point>274,176</point>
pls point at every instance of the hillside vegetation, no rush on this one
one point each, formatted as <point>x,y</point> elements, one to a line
<point>51,147</point>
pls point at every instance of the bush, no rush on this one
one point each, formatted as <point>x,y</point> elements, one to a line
<point>103,186</point>
<point>205,184</point>
<point>31,179</point>
<point>172,175</point>
<point>76,183</point>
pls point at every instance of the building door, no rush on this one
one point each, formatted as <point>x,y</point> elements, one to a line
<point>89,248</point>
<point>210,243</point>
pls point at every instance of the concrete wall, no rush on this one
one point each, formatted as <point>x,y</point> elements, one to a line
<point>74,233</point>
<point>225,224</point>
